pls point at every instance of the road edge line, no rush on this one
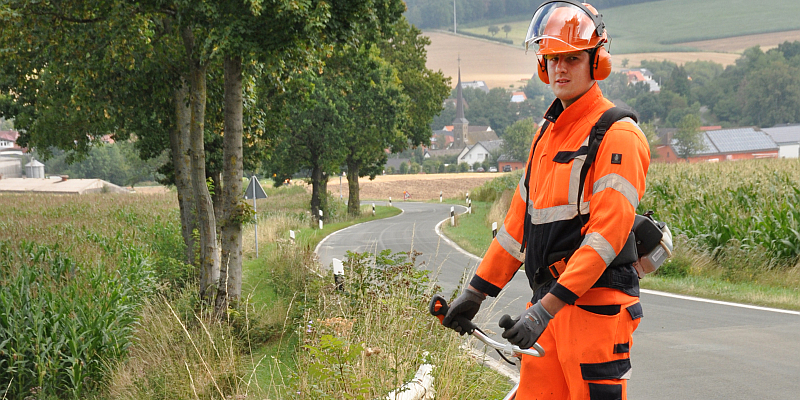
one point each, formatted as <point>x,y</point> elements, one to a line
<point>719,302</point>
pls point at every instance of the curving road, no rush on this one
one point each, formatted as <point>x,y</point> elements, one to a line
<point>685,348</point>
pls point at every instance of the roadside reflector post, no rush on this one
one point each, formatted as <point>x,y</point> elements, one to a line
<point>469,207</point>
<point>390,201</point>
<point>320,219</point>
<point>440,196</point>
<point>452,216</point>
<point>338,274</point>
<point>291,235</point>
<point>467,198</point>
<point>494,230</point>
<point>373,209</point>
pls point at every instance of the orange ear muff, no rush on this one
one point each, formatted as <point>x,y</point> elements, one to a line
<point>601,67</point>
<point>541,69</point>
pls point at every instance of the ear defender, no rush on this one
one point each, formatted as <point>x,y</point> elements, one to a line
<point>542,70</point>
<point>601,66</point>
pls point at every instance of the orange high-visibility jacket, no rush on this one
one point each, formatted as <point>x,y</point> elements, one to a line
<point>613,188</point>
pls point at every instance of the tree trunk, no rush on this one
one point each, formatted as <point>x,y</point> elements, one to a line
<point>353,198</point>
<point>179,144</point>
<point>230,287</point>
<point>209,254</point>
<point>216,197</point>
<point>316,188</point>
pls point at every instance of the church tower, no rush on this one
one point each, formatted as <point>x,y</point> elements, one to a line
<point>460,124</point>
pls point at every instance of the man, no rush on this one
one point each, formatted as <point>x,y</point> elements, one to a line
<point>585,304</point>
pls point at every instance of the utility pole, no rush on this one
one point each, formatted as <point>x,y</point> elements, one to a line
<point>454,17</point>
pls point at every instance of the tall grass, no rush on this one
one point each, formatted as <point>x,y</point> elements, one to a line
<point>74,271</point>
<point>369,339</point>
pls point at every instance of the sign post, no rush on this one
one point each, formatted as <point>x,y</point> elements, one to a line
<point>255,191</point>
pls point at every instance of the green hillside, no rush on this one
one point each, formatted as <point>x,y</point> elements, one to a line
<point>657,26</point>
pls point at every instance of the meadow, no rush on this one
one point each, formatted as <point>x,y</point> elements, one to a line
<point>665,26</point>
<point>96,304</point>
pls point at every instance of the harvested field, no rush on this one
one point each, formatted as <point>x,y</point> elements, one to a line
<point>501,65</point>
<point>740,43</point>
<point>420,186</point>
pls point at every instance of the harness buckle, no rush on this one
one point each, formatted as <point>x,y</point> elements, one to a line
<point>557,268</point>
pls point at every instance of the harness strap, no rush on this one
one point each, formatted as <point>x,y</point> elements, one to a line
<point>596,136</point>
<point>528,188</point>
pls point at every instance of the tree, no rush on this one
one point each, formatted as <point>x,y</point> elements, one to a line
<point>689,139</point>
<point>395,109</point>
<point>518,138</point>
<point>493,29</point>
<point>506,29</point>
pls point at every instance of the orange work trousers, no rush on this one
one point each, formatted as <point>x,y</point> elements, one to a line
<point>587,350</point>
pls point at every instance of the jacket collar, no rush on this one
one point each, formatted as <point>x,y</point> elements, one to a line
<point>579,108</point>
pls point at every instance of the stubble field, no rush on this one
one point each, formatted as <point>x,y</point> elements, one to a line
<point>419,186</point>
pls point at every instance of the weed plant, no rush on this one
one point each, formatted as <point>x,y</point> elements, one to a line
<point>368,339</point>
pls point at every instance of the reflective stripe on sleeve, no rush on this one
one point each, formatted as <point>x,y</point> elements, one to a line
<point>597,242</point>
<point>510,244</point>
<point>522,192</point>
<point>620,184</point>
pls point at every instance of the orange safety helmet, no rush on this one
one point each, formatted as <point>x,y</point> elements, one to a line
<point>565,26</point>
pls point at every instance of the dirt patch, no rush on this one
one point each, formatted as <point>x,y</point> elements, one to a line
<point>740,43</point>
<point>420,186</point>
<point>501,65</point>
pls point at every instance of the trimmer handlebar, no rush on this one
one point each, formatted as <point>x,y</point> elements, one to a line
<point>438,308</point>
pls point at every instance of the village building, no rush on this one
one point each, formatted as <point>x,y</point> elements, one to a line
<point>787,137</point>
<point>724,145</point>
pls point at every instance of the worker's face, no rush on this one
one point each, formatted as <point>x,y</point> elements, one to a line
<point>569,75</point>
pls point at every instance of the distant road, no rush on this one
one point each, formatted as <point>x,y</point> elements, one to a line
<point>685,348</point>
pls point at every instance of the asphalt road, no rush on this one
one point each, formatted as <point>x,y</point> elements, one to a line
<point>685,348</point>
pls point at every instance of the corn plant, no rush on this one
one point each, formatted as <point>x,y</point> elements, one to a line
<point>751,205</point>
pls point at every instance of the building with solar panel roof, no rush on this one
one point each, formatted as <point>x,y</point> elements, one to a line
<point>725,145</point>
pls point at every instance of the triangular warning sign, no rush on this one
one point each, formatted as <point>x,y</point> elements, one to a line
<point>254,190</point>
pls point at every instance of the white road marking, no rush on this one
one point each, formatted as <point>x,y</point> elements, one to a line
<point>724,303</point>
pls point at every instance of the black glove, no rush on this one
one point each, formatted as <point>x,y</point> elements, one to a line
<point>466,306</point>
<point>528,326</point>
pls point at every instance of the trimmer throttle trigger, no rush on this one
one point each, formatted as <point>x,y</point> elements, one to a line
<point>438,307</point>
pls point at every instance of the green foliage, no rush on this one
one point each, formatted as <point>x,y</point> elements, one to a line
<point>118,163</point>
<point>689,138</point>
<point>491,190</point>
<point>333,368</point>
<point>518,139</point>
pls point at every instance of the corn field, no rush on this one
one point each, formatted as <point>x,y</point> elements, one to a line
<point>74,271</point>
<point>731,206</point>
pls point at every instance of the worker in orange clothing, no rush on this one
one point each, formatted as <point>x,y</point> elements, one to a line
<point>573,233</point>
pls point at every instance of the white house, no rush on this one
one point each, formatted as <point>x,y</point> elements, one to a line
<point>787,137</point>
<point>479,152</point>
<point>518,97</point>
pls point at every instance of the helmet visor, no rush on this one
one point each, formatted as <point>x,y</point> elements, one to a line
<point>561,27</point>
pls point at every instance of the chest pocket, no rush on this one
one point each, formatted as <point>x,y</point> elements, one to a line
<point>571,174</point>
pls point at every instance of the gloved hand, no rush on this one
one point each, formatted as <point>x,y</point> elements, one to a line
<point>527,328</point>
<point>466,306</point>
